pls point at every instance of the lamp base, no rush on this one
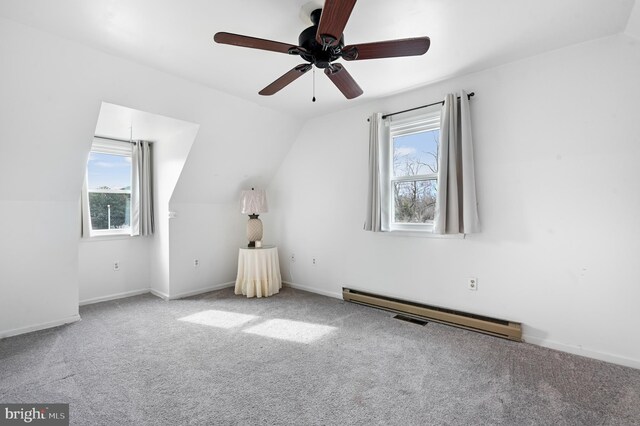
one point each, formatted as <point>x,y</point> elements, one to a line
<point>254,230</point>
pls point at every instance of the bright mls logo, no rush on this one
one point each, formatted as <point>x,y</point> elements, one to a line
<point>36,414</point>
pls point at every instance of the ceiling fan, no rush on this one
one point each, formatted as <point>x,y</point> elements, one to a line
<point>323,43</point>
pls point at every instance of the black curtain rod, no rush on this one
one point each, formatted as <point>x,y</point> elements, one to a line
<point>113,139</point>
<point>420,107</point>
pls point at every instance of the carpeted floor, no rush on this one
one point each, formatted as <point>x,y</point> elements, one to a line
<point>300,359</point>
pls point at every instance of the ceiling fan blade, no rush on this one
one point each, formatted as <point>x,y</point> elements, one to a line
<point>286,79</point>
<point>387,49</point>
<point>335,15</point>
<point>343,81</point>
<point>253,42</point>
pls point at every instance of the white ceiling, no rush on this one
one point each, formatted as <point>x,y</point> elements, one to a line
<point>116,121</point>
<point>177,37</point>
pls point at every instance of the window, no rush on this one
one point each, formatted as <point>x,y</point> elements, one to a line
<point>421,176</point>
<point>109,188</point>
<point>413,172</point>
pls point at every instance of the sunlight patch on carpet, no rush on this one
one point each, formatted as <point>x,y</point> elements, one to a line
<point>295,331</point>
<point>220,319</point>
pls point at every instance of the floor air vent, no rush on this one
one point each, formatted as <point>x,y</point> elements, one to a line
<point>495,327</point>
<point>412,320</point>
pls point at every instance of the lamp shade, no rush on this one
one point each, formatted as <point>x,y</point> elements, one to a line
<point>254,201</point>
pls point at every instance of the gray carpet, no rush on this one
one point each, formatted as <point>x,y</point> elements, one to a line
<point>301,359</point>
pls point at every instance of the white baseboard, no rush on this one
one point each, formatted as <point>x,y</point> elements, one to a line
<point>602,356</point>
<point>114,296</point>
<point>189,293</point>
<point>313,290</point>
<point>160,294</point>
<point>37,327</point>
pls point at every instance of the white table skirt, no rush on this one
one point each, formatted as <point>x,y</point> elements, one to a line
<point>258,272</point>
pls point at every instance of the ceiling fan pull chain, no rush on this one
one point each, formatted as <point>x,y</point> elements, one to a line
<point>314,84</point>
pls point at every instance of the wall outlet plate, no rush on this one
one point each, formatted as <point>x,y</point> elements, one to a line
<point>116,265</point>
<point>472,284</point>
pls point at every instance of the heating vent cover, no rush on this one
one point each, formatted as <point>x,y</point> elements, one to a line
<point>495,327</point>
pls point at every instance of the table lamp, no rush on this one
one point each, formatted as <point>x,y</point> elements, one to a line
<point>254,202</point>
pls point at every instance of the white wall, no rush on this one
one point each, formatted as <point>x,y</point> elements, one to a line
<point>633,25</point>
<point>169,158</point>
<point>211,233</point>
<point>41,167</point>
<point>97,278</point>
<point>52,90</point>
<point>557,141</point>
<point>38,262</point>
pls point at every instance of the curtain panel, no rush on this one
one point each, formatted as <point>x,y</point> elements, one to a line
<point>456,205</point>
<point>141,189</point>
<point>85,216</point>
<point>377,214</point>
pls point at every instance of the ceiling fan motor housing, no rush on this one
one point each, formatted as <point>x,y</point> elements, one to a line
<point>315,53</point>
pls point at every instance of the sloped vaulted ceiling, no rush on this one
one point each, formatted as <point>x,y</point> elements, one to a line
<point>466,35</point>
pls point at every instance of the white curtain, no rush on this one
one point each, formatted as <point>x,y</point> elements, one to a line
<point>377,218</point>
<point>141,189</point>
<point>456,206</point>
<point>85,214</point>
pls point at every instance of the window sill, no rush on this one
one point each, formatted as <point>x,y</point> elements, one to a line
<point>108,237</point>
<point>423,234</point>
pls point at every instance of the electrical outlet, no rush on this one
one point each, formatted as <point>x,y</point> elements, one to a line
<point>292,258</point>
<point>314,261</point>
<point>116,265</point>
<point>196,263</point>
<point>473,284</point>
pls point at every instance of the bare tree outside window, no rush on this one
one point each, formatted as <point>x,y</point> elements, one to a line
<point>415,168</point>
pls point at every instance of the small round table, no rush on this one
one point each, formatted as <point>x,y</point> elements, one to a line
<point>258,271</point>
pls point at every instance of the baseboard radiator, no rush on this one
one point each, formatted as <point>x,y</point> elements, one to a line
<point>495,327</point>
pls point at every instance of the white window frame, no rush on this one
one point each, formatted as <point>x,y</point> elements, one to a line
<point>112,147</point>
<point>423,122</point>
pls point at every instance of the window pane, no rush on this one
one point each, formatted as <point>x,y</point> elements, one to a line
<point>414,201</point>
<point>108,171</point>
<point>109,211</point>
<point>416,154</point>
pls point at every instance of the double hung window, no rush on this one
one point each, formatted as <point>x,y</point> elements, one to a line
<point>108,185</point>
<point>413,172</point>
